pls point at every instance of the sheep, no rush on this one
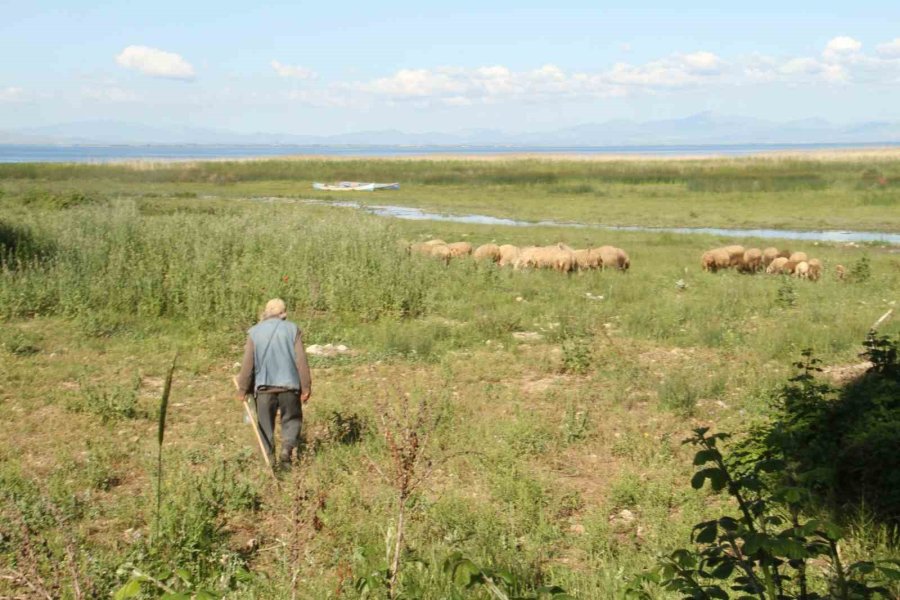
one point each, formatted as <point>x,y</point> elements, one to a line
<point>442,252</point>
<point>789,267</point>
<point>508,255</point>
<point>801,271</point>
<point>609,257</point>
<point>435,243</point>
<point>736,255</point>
<point>815,269</point>
<point>751,262</point>
<point>784,254</point>
<point>776,266</point>
<point>799,257</point>
<point>768,255</point>
<point>713,260</point>
<point>587,260</point>
<point>458,249</point>
<point>489,252</point>
<point>420,248</point>
<point>558,257</point>
<point>840,271</point>
<point>624,262</point>
<point>526,258</point>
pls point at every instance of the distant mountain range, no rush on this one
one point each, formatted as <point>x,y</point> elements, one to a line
<point>700,129</point>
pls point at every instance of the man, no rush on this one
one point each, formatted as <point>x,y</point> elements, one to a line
<point>276,371</point>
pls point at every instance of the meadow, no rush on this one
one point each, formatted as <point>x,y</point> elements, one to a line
<point>491,434</point>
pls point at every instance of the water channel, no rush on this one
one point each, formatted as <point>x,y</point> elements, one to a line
<point>417,214</point>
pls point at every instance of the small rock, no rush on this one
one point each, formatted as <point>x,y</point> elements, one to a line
<point>527,336</point>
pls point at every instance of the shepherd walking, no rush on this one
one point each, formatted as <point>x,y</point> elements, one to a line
<point>276,372</point>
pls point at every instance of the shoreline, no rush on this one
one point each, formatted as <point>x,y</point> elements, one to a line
<point>877,153</point>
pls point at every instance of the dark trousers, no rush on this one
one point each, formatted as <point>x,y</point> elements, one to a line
<point>267,404</point>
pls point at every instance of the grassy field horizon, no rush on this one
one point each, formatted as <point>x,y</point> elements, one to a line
<point>550,407</point>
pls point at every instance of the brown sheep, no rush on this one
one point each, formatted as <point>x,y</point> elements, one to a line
<point>799,257</point>
<point>815,269</point>
<point>776,266</point>
<point>736,255</point>
<point>784,254</point>
<point>713,260</point>
<point>769,254</point>
<point>609,257</point>
<point>436,243</point>
<point>458,249</point>
<point>840,271</point>
<point>789,267</point>
<point>801,271</point>
<point>751,261</point>
<point>508,255</point>
<point>489,252</point>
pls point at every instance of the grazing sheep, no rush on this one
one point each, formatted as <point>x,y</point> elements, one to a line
<point>609,257</point>
<point>489,252</point>
<point>801,271</point>
<point>420,248</point>
<point>752,260</point>
<point>789,267</point>
<point>840,271</point>
<point>776,266</point>
<point>508,255</point>
<point>458,249</point>
<point>624,262</point>
<point>769,254</point>
<point>526,258</point>
<point>799,257</point>
<point>735,254</point>
<point>441,252</point>
<point>584,261</point>
<point>713,260</point>
<point>436,243</point>
<point>815,269</point>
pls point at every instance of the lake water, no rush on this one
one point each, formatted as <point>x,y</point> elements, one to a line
<point>416,214</point>
<point>18,153</point>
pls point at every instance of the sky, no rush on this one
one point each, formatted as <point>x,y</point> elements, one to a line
<point>518,66</point>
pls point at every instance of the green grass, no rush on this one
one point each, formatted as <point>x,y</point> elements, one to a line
<point>107,271</point>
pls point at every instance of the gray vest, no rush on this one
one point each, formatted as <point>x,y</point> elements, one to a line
<point>274,359</point>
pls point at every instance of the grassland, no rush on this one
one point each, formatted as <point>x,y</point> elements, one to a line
<point>792,192</point>
<point>557,456</point>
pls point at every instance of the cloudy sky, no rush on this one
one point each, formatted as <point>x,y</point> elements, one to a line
<point>334,67</point>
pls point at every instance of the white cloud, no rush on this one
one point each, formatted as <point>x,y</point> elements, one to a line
<point>890,49</point>
<point>841,47</point>
<point>12,94</point>
<point>109,94</point>
<point>806,69</point>
<point>155,62</point>
<point>702,62</point>
<point>841,62</point>
<point>293,71</point>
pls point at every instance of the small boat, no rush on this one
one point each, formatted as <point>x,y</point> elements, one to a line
<point>355,186</point>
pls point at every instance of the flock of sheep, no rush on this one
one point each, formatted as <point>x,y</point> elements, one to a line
<point>558,257</point>
<point>772,260</point>
<point>564,259</point>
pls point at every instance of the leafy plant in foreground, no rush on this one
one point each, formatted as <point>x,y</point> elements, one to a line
<point>765,551</point>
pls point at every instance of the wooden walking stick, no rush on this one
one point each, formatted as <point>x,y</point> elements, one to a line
<point>252,416</point>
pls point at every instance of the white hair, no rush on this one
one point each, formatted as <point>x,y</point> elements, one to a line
<point>274,308</point>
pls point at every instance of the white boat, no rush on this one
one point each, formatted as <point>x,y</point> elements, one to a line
<point>355,186</point>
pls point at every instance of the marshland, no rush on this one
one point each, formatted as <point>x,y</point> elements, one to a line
<point>492,432</point>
